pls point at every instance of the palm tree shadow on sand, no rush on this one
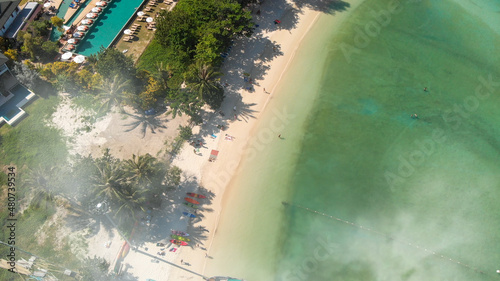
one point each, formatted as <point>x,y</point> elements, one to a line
<point>145,122</point>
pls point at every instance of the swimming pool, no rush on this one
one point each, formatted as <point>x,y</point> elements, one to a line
<point>108,25</point>
<point>55,34</point>
<point>12,108</point>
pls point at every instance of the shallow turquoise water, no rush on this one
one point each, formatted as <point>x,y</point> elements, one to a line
<point>108,25</point>
<point>424,190</point>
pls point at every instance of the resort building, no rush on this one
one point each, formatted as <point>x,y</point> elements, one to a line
<point>30,12</point>
<point>8,13</point>
<point>13,95</point>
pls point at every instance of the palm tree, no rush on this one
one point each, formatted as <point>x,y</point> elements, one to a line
<point>113,91</point>
<point>42,182</point>
<point>162,74</point>
<point>133,200</point>
<point>109,181</point>
<point>205,84</point>
<point>142,169</point>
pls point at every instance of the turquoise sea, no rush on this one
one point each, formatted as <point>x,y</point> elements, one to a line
<point>406,198</point>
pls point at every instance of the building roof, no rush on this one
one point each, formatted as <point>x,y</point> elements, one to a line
<point>3,59</point>
<point>6,9</point>
<point>27,14</point>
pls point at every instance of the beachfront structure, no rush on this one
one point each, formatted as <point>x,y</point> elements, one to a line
<point>8,13</point>
<point>13,95</point>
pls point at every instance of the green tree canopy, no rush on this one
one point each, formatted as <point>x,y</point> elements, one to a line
<point>203,28</point>
<point>111,62</point>
<point>57,22</point>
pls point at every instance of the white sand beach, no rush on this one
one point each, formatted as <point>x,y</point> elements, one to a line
<point>264,57</point>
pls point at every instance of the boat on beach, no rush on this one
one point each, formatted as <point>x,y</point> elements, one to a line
<point>180,233</point>
<point>195,195</point>
<point>189,215</point>
<point>191,200</point>
<point>191,205</point>
<point>177,242</point>
<point>180,238</point>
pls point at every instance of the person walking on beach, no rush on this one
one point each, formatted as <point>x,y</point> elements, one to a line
<point>279,136</point>
<point>182,261</point>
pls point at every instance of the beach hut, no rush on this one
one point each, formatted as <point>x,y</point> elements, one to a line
<point>213,155</point>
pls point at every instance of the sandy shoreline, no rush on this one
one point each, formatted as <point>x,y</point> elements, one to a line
<point>216,176</point>
<point>265,57</point>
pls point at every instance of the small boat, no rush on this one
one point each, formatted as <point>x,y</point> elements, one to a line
<point>177,242</point>
<point>191,205</point>
<point>189,215</point>
<point>91,15</point>
<point>96,10</point>
<point>191,200</point>
<point>180,233</point>
<point>77,35</point>
<point>180,238</point>
<point>101,4</point>
<point>195,195</point>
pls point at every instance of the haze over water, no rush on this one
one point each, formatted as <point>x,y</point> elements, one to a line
<point>427,188</point>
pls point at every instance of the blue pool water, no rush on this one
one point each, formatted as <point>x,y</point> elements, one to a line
<point>107,26</point>
<point>9,109</point>
<point>55,34</point>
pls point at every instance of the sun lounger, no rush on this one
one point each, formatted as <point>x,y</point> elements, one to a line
<point>126,39</point>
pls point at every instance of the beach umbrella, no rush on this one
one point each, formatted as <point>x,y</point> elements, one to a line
<point>66,56</point>
<point>79,59</point>
<point>73,41</point>
<point>141,13</point>
<point>82,28</point>
<point>150,19</point>
<point>46,5</point>
<point>65,27</point>
<point>96,10</point>
<point>127,31</point>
